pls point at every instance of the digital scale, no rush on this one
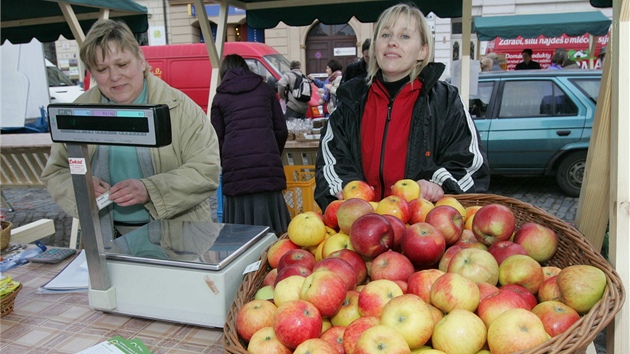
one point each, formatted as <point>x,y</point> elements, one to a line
<point>185,272</point>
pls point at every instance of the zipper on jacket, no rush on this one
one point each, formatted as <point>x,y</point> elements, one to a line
<point>381,179</point>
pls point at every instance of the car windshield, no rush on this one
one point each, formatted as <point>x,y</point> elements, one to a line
<point>278,62</point>
<point>57,78</point>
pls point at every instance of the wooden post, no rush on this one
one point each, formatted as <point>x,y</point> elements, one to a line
<point>592,211</point>
<point>618,340</point>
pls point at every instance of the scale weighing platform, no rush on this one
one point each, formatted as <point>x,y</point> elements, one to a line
<point>178,271</point>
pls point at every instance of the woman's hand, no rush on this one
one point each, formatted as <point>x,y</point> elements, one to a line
<point>129,192</point>
<point>430,191</point>
<point>100,186</point>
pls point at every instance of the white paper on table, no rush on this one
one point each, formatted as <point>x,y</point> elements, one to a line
<point>74,277</point>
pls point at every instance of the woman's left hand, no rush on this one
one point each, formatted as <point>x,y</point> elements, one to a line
<point>129,192</point>
<point>430,191</point>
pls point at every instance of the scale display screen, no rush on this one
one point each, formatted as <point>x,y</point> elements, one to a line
<point>131,125</point>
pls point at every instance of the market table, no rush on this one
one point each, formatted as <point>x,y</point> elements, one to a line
<point>65,323</point>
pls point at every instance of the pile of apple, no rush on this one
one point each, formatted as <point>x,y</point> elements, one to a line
<point>406,275</point>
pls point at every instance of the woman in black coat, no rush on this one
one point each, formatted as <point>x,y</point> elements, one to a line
<point>252,131</point>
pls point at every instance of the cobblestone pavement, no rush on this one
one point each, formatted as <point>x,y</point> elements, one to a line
<point>32,204</point>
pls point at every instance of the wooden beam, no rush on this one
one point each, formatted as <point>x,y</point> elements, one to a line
<point>73,22</point>
<point>592,212</point>
<point>34,231</point>
<point>618,340</point>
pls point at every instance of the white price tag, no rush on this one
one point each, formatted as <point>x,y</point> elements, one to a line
<point>252,267</point>
<point>103,200</point>
<point>77,166</point>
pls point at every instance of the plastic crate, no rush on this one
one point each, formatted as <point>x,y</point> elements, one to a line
<point>300,192</point>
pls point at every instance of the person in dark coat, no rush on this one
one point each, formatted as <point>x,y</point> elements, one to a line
<point>252,131</point>
<point>359,67</point>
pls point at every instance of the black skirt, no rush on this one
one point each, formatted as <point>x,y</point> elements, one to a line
<point>265,209</point>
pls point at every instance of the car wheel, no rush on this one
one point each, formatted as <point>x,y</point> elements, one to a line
<point>571,173</point>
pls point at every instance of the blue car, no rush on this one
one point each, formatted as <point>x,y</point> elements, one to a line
<point>537,122</point>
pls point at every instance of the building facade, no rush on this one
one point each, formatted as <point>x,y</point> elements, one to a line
<point>175,22</point>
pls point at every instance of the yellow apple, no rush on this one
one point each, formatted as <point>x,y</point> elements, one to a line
<point>306,229</point>
<point>358,189</point>
<point>452,202</point>
<point>336,242</point>
<point>407,189</point>
<point>287,289</point>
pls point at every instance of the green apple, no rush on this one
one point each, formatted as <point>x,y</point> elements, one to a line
<point>581,286</point>
<point>264,293</point>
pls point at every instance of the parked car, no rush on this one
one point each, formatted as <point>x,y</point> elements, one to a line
<point>537,122</point>
<point>187,68</point>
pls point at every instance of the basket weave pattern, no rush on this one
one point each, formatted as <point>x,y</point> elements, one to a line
<point>8,301</point>
<point>5,234</point>
<point>573,248</point>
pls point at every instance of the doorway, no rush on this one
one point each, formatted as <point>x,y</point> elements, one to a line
<point>327,42</point>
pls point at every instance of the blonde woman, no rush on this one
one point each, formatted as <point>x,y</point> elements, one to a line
<point>401,121</point>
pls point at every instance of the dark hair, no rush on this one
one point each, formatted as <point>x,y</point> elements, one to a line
<point>334,65</point>
<point>528,51</point>
<point>366,45</point>
<point>295,65</point>
<point>230,62</point>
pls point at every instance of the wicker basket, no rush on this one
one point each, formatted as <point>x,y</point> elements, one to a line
<point>5,234</point>
<point>8,301</point>
<point>573,248</point>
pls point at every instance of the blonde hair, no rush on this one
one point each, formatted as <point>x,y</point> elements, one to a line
<point>387,19</point>
<point>104,32</point>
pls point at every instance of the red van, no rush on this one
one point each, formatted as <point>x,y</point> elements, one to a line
<point>187,68</point>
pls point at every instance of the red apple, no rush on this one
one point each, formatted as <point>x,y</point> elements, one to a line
<point>349,310</point>
<point>326,290</point>
<point>549,290</point>
<point>418,210</point>
<point>495,304</point>
<point>460,331</point>
<point>451,291</point>
<point>581,286</point>
<point>296,321</point>
<point>350,210</point>
<point>264,341</point>
<point>297,257</point>
<point>392,266</point>
<point>278,249</point>
<point>486,289</point>
<point>330,214</point>
<point>253,316</point>
<point>493,223</point>
<point>381,339</point>
<point>540,242</point>
<point>503,249</point>
<point>467,243</point>
<point>420,283</point>
<point>410,316</point>
<point>315,345</point>
<point>399,228</point>
<point>522,292</point>
<point>475,264</point>
<point>423,244</point>
<point>270,278</point>
<point>394,205</point>
<point>375,295</point>
<point>291,270</point>
<point>408,189</point>
<point>515,330</point>
<point>448,221</point>
<point>355,260</point>
<point>341,267</point>
<point>555,316</point>
<point>358,189</point>
<point>448,256</point>
<point>334,337</point>
<point>522,270</point>
<point>355,329</point>
<point>371,235</point>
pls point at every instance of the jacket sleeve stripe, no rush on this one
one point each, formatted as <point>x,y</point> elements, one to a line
<point>330,175</point>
